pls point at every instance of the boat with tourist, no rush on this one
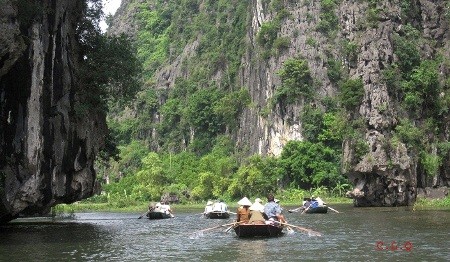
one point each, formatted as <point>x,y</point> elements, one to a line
<point>216,210</point>
<point>258,230</point>
<point>316,210</point>
<point>159,210</point>
<point>312,205</point>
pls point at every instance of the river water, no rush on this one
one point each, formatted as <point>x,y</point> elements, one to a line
<point>355,234</point>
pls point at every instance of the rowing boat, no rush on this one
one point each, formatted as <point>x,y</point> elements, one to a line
<point>317,210</point>
<point>159,215</point>
<point>258,230</point>
<point>218,215</point>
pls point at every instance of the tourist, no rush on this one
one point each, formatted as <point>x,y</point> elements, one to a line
<point>257,215</point>
<point>243,212</point>
<point>220,206</point>
<point>273,210</point>
<point>208,208</point>
<point>165,208</point>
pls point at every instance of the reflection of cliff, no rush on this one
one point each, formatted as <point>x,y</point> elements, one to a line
<point>46,149</point>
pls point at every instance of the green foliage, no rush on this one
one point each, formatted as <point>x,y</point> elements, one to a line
<point>410,11</point>
<point>296,81</point>
<point>258,177</point>
<point>310,164</point>
<point>311,42</point>
<point>350,51</point>
<point>430,163</point>
<point>334,70</point>
<point>409,133</point>
<point>328,19</point>
<point>231,105</point>
<point>282,43</point>
<point>334,128</point>
<point>268,33</point>
<point>421,90</point>
<point>392,77</point>
<point>351,93</point>
<point>312,123</point>
<point>405,48</point>
<point>130,157</point>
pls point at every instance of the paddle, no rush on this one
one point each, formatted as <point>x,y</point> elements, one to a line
<point>332,209</point>
<point>309,231</point>
<point>295,210</point>
<point>304,210</point>
<point>234,225</point>
<point>144,214</point>
<point>206,229</point>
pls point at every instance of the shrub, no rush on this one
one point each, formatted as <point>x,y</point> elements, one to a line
<point>351,93</point>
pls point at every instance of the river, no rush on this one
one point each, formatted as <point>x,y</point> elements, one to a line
<point>355,234</point>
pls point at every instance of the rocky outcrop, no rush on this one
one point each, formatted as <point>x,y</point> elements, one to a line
<point>47,150</point>
<point>388,174</point>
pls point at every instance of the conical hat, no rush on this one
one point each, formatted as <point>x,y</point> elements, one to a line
<point>258,200</point>
<point>245,202</point>
<point>257,206</point>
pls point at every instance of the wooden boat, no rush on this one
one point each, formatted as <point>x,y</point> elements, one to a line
<point>218,215</point>
<point>258,230</point>
<point>159,215</point>
<point>317,210</point>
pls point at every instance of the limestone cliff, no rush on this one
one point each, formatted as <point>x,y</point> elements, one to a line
<point>46,149</point>
<point>388,174</point>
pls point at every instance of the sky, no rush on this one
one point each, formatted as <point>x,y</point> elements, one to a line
<point>109,7</point>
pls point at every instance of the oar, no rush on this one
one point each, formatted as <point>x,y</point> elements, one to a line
<point>332,209</point>
<point>304,210</point>
<point>206,229</point>
<point>144,214</point>
<point>234,225</point>
<point>309,231</point>
<point>294,210</point>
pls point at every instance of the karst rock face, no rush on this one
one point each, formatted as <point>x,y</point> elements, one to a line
<point>47,150</point>
<point>386,175</point>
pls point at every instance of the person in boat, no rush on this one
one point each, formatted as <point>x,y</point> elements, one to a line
<point>306,202</point>
<point>157,207</point>
<point>151,207</point>
<point>316,202</point>
<point>273,210</point>
<point>257,215</point>
<point>243,211</point>
<point>278,202</point>
<point>165,208</point>
<point>208,208</point>
<point>220,206</point>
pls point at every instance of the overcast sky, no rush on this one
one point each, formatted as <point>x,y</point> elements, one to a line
<point>109,7</point>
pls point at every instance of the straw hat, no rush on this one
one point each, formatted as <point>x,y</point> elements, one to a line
<point>245,202</point>
<point>258,200</point>
<point>257,206</point>
<point>209,203</point>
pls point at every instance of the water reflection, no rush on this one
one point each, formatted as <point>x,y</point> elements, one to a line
<point>348,236</point>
